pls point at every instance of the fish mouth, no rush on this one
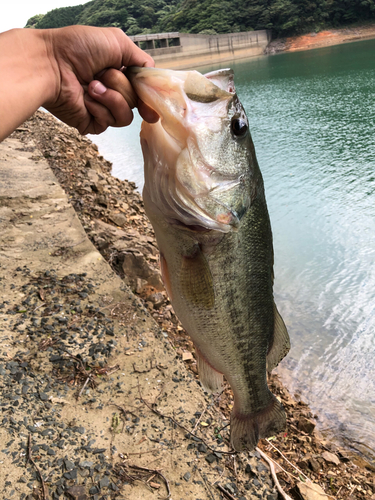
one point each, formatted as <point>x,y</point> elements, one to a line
<point>178,180</point>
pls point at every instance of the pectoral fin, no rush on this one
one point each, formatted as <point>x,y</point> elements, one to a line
<point>196,280</point>
<point>280,343</point>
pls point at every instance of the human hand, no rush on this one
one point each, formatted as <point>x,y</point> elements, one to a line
<point>91,92</point>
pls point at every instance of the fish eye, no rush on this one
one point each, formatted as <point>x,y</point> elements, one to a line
<point>239,127</point>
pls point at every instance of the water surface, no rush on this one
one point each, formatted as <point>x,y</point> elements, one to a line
<point>312,120</point>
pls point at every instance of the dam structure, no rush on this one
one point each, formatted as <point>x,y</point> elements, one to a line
<point>182,50</point>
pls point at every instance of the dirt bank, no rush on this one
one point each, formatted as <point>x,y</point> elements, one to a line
<point>321,39</point>
<point>115,385</point>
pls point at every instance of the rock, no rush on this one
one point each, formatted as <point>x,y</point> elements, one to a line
<point>311,491</point>
<point>92,175</point>
<point>109,232</point>
<point>330,457</point>
<point>157,299</point>
<point>187,356</point>
<point>77,493</point>
<point>136,266</point>
<point>102,200</point>
<point>306,425</point>
<point>314,464</point>
<point>187,476</point>
<point>94,165</point>
<point>211,458</point>
<point>118,219</point>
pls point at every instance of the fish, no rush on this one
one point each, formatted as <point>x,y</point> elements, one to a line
<point>204,195</point>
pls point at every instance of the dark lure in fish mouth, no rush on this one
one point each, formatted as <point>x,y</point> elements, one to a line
<point>204,196</point>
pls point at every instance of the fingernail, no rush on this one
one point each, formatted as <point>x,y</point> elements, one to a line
<point>99,88</point>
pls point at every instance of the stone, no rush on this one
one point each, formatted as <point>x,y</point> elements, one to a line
<point>187,476</point>
<point>330,457</point>
<point>311,491</point>
<point>118,219</point>
<point>104,483</point>
<point>211,458</point>
<point>135,266</point>
<point>306,425</point>
<point>77,493</point>
<point>314,464</point>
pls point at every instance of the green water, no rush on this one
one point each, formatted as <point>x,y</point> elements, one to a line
<point>312,120</point>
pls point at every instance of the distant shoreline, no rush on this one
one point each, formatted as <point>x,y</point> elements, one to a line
<point>322,39</point>
<point>299,43</point>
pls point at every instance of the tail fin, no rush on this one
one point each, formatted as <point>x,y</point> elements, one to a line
<point>246,430</point>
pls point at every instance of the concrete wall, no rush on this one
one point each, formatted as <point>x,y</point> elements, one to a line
<point>200,50</point>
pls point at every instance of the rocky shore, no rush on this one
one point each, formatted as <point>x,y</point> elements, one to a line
<point>100,394</point>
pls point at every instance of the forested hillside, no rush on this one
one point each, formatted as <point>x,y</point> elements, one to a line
<point>284,17</point>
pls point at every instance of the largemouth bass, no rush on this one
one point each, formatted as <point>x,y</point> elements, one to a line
<point>205,198</point>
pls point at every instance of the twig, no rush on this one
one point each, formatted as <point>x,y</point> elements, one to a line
<point>273,474</point>
<point>290,463</point>
<point>226,493</point>
<point>286,472</point>
<point>222,428</point>
<point>157,412</point>
<point>199,419</point>
<point>84,385</point>
<point>30,459</point>
<point>206,485</point>
<point>74,357</point>
<point>154,471</point>
<point>143,371</point>
<point>139,453</point>
<point>121,408</point>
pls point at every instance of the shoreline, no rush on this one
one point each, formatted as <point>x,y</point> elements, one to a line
<point>118,227</point>
<point>325,38</point>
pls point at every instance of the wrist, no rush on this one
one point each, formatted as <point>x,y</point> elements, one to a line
<point>45,61</point>
<point>29,77</point>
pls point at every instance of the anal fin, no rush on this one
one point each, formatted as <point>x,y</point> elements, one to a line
<point>211,379</point>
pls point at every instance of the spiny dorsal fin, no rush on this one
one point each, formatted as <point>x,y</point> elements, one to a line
<point>280,344</point>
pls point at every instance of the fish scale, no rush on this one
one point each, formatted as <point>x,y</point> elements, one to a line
<point>204,196</point>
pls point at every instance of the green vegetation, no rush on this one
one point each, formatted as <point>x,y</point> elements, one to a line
<point>284,17</point>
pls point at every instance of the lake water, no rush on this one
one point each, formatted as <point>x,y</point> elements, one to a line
<point>312,121</point>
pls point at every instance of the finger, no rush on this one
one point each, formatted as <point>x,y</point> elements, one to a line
<point>118,112</point>
<point>116,80</point>
<point>101,117</point>
<point>147,113</point>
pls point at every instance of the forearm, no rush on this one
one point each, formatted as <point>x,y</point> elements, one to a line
<point>27,77</point>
